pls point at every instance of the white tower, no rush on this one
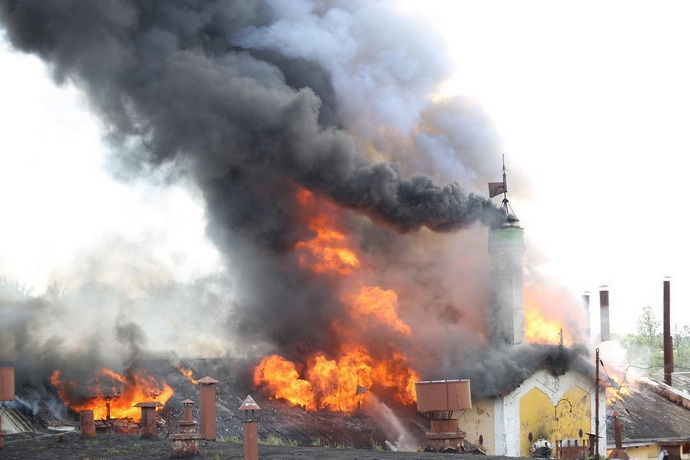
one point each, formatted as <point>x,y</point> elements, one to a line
<point>506,247</point>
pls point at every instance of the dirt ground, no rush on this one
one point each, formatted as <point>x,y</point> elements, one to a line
<point>50,446</point>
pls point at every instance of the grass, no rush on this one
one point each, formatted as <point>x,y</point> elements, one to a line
<point>233,439</point>
<point>272,441</point>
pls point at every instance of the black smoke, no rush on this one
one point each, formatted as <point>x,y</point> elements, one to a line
<point>255,100</point>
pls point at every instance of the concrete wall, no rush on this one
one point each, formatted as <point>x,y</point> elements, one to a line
<point>479,424</point>
<point>506,246</point>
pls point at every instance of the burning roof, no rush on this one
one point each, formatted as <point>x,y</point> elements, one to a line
<point>297,124</point>
<point>648,415</point>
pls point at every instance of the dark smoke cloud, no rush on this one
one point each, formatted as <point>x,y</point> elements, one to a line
<point>255,99</point>
<point>132,337</point>
<point>169,74</point>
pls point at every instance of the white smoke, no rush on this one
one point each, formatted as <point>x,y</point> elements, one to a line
<point>401,438</point>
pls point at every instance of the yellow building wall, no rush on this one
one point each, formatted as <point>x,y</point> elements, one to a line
<point>569,418</point>
<point>479,424</point>
<point>536,419</point>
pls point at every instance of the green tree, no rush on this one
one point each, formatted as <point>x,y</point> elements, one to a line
<point>681,347</point>
<point>645,348</point>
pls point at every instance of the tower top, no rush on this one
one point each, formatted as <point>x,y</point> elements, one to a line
<point>496,188</point>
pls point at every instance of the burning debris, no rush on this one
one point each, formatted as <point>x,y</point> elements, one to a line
<point>112,395</point>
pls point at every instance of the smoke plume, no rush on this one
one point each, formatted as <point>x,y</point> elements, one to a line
<point>256,101</point>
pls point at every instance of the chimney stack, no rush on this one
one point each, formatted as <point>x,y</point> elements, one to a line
<point>668,340</point>
<point>207,408</point>
<point>585,304</point>
<point>187,404</point>
<point>87,426</point>
<point>604,316</point>
<point>618,452</point>
<point>507,246</point>
<point>149,423</point>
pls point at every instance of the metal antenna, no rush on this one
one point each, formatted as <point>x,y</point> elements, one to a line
<point>496,188</point>
<point>505,186</point>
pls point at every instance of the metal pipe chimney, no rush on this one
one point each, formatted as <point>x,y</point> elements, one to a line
<point>604,313</point>
<point>668,340</point>
<point>618,452</point>
<point>585,304</point>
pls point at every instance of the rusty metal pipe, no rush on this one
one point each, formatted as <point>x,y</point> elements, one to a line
<point>604,317</point>
<point>585,304</point>
<point>668,339</point>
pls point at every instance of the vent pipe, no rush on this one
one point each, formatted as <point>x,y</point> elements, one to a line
<point>668,340</point>
<point>604,316</point>
<point>585,304</point>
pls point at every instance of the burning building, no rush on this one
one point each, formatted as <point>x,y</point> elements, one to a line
<point>553,400</point>
<point>296,124</point>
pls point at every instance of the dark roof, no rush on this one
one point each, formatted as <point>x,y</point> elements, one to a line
<point>503,370</point>
<point>681,380</point>
<point>647,414</point>
<point>29,411</point>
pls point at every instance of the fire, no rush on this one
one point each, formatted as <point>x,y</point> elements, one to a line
<point>112,395</point>
<point>340,379</point>
<point>617,378</point>
<point>541,330</point>
<point>544,321</point>
<point>336,384</point>
<point>327,252</point>
<point>188,375</point>
<point>374,302</point>
<point>616,394</point>
<point>281,378</point>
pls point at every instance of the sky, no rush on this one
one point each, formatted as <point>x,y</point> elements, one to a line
<point>590,101</point>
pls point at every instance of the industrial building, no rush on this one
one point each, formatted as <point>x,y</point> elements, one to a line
<point>554,405</point>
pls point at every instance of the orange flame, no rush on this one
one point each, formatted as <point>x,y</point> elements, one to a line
<point>614,395</point>
<point>374,302</point>
<point>112,395</point>
<point>617,378</point>
<point>340,382</point>
<point>327,252</point>
<point>280,376</point>
<point>538,329</point>
<point>544,318</point>
<point>336,384</point>
<point>188,375</point>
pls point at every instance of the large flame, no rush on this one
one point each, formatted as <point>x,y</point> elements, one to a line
<point>328,251</point>
<point>337,384</point>
<point>112,395</point>
<point>340,379</point>
<point>544,320</point>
